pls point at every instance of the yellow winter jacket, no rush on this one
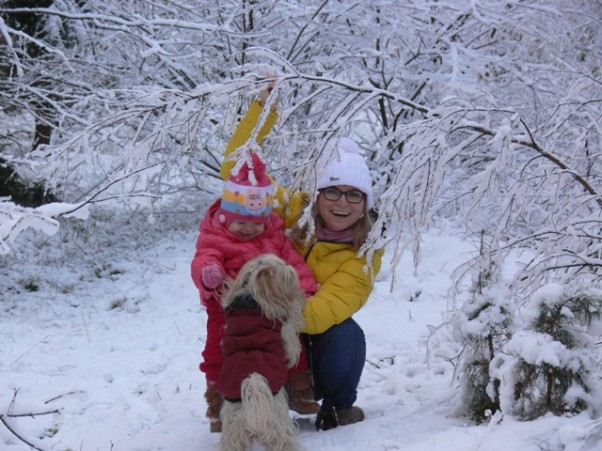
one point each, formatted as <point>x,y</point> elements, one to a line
<point>345,280</point>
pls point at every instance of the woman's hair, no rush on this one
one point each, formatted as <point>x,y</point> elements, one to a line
<point>361,228</point>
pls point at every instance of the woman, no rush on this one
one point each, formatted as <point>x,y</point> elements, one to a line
<point>337,344</point>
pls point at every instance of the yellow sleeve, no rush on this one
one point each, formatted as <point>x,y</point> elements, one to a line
<point>243,132</point>
<point>295,205</point>
<point>342,295</point>
<point>241,135</point>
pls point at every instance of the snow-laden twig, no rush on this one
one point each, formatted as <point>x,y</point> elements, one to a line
<point>12,431</point>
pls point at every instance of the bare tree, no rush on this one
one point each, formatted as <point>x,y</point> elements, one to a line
<point>481,98</point>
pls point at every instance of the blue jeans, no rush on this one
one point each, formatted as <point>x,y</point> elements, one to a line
<point>337,359</point>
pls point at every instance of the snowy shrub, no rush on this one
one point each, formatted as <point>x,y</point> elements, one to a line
<point>551,364</point>
<point>482,326</point>
<point>485,329</point>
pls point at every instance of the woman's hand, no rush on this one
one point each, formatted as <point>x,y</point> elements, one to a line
<point>265,92</point>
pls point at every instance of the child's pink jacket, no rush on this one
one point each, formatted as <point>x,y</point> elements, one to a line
<point>216,244</point>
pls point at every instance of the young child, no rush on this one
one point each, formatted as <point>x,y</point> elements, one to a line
<point>237,228</point>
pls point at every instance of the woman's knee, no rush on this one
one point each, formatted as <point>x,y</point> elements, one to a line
<point>344,344</point>
<point>348,332</point>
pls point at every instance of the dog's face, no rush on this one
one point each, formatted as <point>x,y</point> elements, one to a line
<point>273,284</point>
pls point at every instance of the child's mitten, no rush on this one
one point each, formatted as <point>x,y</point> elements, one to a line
<point>212,276</point>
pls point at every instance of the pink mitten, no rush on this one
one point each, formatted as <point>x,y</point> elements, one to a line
<point>212,276</point>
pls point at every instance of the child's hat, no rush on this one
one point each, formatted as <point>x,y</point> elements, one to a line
<point>347,166</point>
<point>247,193</point>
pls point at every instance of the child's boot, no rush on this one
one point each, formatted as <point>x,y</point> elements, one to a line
<point>301,394</point>
<point>214,404</point>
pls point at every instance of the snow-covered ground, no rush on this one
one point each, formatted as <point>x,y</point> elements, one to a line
<point>101,333</point>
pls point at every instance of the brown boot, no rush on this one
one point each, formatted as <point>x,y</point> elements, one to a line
<point>353,414</point>
<point>301,394</point>
<point>214,404</point>
<point>329,417</point>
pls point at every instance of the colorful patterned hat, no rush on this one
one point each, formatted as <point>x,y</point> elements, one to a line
<point>247,194</point>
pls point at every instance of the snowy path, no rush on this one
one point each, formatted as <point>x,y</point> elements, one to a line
<point>115,351</point>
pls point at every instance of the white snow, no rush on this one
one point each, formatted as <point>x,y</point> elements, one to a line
<point>104,356</point>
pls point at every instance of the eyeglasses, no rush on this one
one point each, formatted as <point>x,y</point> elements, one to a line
<point>353,196</point>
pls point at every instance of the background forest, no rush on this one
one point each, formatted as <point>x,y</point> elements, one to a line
<point>484,115</point>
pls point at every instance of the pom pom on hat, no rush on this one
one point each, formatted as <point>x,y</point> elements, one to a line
<point>247,194</point>
<point>348,168</point>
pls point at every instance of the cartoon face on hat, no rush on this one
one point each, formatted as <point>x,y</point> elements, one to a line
<point>256,202</point>
<point>247,194</point>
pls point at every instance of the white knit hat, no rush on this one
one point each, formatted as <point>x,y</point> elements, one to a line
<point>347,168</point>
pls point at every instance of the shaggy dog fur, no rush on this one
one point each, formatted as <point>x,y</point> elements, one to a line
<point>261,415</point>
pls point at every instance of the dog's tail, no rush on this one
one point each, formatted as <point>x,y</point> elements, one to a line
<point>266,415</point>
<point>257,402</point>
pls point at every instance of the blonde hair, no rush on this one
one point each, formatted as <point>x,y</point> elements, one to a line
<point>271,282</point>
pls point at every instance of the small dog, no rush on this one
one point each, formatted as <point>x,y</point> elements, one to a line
<point>264,313</point>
